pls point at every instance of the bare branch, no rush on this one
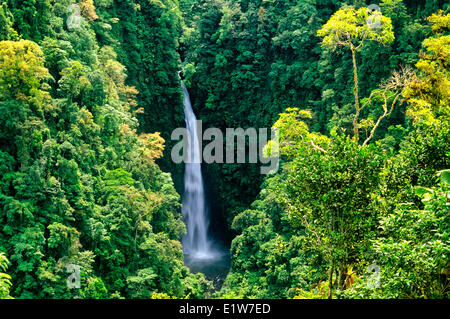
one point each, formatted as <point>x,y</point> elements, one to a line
<point>368,100</point>
<point>392,88</point>
<point>317,148</point>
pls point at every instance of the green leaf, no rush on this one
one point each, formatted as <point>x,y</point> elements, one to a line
<point>422,191</point>
<point>445,176</point>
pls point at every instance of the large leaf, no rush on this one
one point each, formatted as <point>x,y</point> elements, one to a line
<point>422,191</point>
<point>445,177</point>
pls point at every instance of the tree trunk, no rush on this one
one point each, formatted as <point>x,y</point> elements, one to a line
<point>356,94</point>
<point>330,282</point>
<point>341,278</point>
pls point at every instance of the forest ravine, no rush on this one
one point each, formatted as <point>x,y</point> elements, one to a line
<point>357,91</point>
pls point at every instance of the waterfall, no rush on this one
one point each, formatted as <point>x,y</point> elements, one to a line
<point>202,253</point>
<point>196,243</point>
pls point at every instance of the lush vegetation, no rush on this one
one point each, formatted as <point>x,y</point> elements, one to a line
<point>361,100</point>
<point>79,183</point>
<point>342,202</point>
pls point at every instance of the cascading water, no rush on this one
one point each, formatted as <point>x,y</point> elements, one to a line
<point>202,253</point>
<point>196,242</point>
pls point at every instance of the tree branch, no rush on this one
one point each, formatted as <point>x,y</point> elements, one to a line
<point>395,84</point>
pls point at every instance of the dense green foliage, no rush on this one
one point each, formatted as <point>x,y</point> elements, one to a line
<point>78,184</point>
<point>351,205</point>
<point>247,61</point>
<point>145,34</point>
<point>361,101</point>
<point>5,279</point>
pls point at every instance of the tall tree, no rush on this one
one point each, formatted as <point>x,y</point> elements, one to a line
<point>351,28</point>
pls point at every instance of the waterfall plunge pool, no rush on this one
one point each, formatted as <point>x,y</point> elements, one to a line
<point>215,265</point>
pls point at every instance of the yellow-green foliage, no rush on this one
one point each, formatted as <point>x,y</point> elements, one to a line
<point>22,72</point>
<point>5,279</point>
<point>351,27</point>
<point>429,93</point>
